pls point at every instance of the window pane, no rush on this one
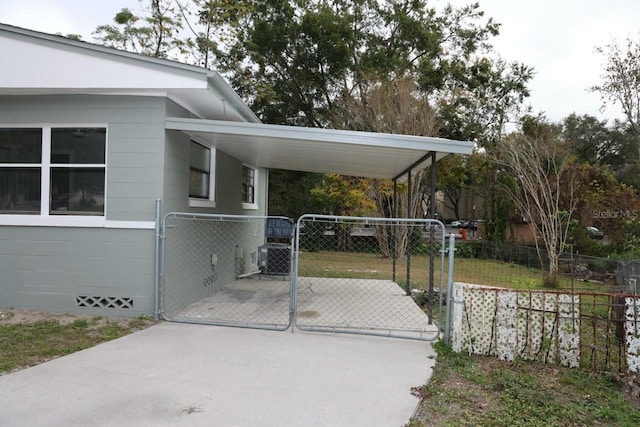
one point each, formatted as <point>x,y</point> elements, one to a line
<point>19,191</point>
<point>20,145</point>
<point>248,183</point>
<point>77,191</point>
<point>199,184</point>
<point>200,157</point>
<point>78,145</point>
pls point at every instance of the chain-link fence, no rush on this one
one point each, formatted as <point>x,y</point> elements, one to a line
<point>227,270</point>
<point>520,267</point>
<point>602,291</point>
<point>369,276</point>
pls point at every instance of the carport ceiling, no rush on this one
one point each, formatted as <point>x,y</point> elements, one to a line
<point>364,154</point>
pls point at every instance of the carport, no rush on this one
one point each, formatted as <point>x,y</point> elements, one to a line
<point>353,153</point>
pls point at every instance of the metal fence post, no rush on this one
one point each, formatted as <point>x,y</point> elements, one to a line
<point>157,260</point>
<point>447,334</point>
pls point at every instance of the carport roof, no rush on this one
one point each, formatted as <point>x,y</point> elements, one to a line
<point>365,154</point>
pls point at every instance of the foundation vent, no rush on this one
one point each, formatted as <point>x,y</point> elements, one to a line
<point>104,302</point>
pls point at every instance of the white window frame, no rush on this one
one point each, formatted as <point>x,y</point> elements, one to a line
<point>45,218</point>
<point>210,202</point>
<point>254,205</point>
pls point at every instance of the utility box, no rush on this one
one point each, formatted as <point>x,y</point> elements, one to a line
<point>274,259</point>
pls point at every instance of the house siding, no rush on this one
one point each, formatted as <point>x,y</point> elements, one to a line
<point>51,268</point>
<point>135,134</point>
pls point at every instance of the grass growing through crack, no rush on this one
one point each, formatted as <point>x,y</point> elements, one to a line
<point>29,343</point>
<point>482,391</point>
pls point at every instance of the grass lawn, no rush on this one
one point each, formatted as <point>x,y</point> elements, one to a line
<point>483,391</point>
<point>466,270</point>
<point>28,338</point>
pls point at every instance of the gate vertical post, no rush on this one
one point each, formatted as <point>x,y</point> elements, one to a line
<point>157,260</point>
<point>449,301</point>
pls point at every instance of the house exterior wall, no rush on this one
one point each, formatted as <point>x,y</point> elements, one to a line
<point>65,269</point>
<point>109,269</point>
<point>189,243</point>
<point>98,270</point>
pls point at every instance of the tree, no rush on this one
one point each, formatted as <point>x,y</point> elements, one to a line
<point>621,79</point>
<point>595,143</point>
<point>389,106</point>
<point>292,59</point>
<point>341,195</point>
<point>158,34</point>
<point>293,200</point>
<point>457,173</point>
<point>538,164</point>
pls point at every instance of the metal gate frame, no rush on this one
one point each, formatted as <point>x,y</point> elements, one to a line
<point>245,220</point>
<point>429,224</point>
<point>441,324</point>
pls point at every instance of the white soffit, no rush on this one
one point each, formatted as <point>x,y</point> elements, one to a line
<point>364,154</point>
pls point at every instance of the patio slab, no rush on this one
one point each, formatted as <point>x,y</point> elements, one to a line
<point>175,374</point>
<point>330,304</point>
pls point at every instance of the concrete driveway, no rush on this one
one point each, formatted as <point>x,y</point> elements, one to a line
<point>174,374</point>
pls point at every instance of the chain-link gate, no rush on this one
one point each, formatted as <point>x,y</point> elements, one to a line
<point>227,270</point>
<point>371,276</point>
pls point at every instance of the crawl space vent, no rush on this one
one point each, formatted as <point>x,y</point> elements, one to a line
<point>104,302</point>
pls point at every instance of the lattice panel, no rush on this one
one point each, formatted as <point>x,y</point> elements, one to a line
<point>506,322</point>
<point>537,325</point>
<point>509,324</point>
<point>104,302</point>
<point>632,329</point>
<point>569,330</point>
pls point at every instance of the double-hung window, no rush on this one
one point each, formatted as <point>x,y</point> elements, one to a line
<point>201,175</point>
<point>248,187</point>
<point>52,171</point>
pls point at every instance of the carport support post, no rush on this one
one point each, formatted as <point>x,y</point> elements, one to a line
<point>394,206</point>
<point>409,211</point>
<point>432,251</point>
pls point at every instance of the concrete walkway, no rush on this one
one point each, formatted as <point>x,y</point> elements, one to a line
<point>196,375</point>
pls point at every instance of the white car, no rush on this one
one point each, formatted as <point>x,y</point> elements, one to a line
<point>458,223</point>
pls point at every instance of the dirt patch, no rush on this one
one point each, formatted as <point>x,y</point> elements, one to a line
<point>15,316</point>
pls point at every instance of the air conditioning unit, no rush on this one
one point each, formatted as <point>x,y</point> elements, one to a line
<point>274,259</point>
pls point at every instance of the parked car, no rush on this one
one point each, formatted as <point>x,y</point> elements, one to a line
<point>458,223</point>
<point>594,233</point>
<point>471,225</point>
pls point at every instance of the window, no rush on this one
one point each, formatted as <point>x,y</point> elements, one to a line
<point>248,187</point>
<point>20,171</point>
<point>201,176</point>
<point>199,171</point>
<point>52,171</point>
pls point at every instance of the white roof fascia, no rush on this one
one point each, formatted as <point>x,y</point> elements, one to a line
<point>410,142</point>
<point>188,85</point>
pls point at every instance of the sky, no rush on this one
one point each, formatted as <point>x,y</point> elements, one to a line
<point>556,37</point>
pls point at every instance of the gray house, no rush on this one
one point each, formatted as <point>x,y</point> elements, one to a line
<point>97,144</point>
